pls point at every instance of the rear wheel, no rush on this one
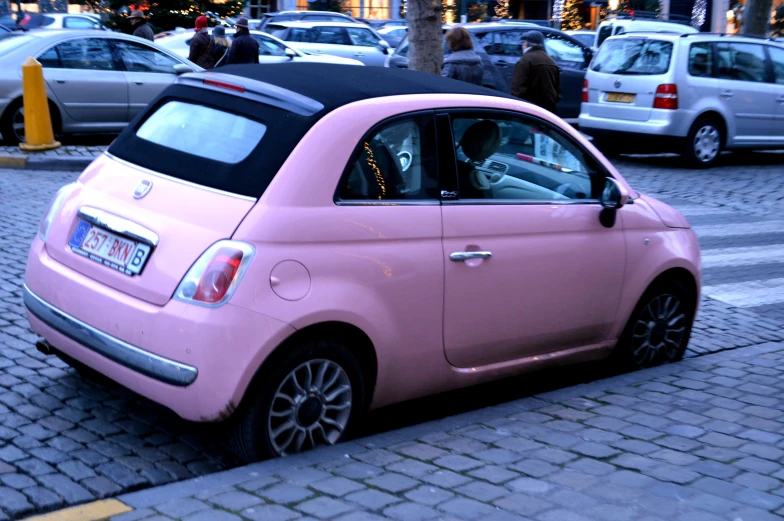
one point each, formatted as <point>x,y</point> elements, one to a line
<point>659,328</point>
<point>12,124</point>
<point>309,397</point>
<point>704,143</point>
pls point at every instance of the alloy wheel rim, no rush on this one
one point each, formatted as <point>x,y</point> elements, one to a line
<point>311,407</point>
<point>17,124</point>
<point>706,143</point>
<point>659,331</point>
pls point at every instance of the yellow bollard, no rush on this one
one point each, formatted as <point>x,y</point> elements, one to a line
<point>38,122</point>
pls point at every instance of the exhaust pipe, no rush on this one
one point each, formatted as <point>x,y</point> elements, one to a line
<point>44,347</point>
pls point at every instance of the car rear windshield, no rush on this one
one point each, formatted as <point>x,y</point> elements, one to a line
<point>639,56</point>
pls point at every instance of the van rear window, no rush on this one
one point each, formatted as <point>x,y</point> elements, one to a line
<point>637,56</point>
<point>202,131</point>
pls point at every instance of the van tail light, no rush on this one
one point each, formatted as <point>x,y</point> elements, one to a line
<point>585,91</point>
<point>666,97</point>
<point>54,208</point>
<point>212,280</point>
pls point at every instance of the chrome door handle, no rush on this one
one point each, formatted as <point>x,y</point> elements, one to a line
<point>359,55</point>
<point>780,100</point>
<point>139,82</point>
<point>727,94</point>
<point>59,81</point>
<point>460,256</point>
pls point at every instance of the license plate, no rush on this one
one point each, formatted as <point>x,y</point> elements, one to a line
<point>111,250</point>
<point>620,97</point>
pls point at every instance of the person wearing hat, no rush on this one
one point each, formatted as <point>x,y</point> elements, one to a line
<point>202,45</point>
<point>222,44</point>
<point>536,77</point>
<point>141,29</point>
<point>244,48</point>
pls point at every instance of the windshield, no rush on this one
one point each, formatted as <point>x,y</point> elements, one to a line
<point>640,56</point>
<point>11,41</point>
<point>604,33</point>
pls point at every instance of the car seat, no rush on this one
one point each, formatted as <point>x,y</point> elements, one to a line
<point>376,174</point>
<point>480,141</point>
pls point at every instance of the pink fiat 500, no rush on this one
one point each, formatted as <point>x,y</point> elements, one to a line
<point>286,247</point>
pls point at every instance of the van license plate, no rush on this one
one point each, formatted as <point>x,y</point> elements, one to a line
<point>111,250</point>
<point>619,97</point>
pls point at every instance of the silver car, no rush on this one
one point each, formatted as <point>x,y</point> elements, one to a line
<point>96,81</point>
<point>271,50</point>
<point>348,40</point>
<point>695,94</point>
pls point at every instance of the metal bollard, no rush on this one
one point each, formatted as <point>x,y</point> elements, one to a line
<point>38,122</point>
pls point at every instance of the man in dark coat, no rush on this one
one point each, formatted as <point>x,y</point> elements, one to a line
<point>536,77</point>
<point>244,48</point>
<point>202,45</point>
<point>141,29</point>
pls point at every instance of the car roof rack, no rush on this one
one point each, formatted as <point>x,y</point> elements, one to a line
<point>652,16</point>
<point>752,36</point>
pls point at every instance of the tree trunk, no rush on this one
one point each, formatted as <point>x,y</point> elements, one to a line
<point>426,41</point>
<point>756,17</point>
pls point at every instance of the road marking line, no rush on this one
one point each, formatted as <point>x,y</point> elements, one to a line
<point>726,230</point>
<point>723,257</point>
<point>748,294</point>
<point>94,511</point>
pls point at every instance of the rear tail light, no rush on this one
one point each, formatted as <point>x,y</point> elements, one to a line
<point>215,276</point>
<point>585,91</point>
<point>666,97</point>
<point>54,208</point>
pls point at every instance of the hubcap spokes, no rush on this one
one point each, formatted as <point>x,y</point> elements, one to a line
<point>17,124</point>
<point>659,331</point>
<point>310,408</point>
<point>706,143</point>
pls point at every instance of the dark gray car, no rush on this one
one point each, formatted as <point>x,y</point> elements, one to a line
<point>500,46</point>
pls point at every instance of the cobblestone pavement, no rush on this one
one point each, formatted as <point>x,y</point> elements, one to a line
<point>696,441</point>
<point>64,151</point>
<point>66,440</point>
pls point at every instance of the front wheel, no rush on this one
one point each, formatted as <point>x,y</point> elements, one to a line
<point>704,143</point>
<point>310,397</point>
<point>12,125</point>
<point>659,328</point>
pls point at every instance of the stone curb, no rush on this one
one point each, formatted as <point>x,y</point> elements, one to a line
<point>35,162</point>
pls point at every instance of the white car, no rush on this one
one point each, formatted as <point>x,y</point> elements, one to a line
<point>348,40</point>
<point>271,50</point>
<point>616,26</point>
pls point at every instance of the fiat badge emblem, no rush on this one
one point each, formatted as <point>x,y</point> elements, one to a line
<point>143,189</point>
<point>617,84</point>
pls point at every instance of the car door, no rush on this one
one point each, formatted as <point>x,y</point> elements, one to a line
<point>530,269</point>
<point>745,92</point>
<point>777,61</point>
<point>321,40</point>
<point>505,51</point>
<point>270,51</point>
<point>147,70</point>
<point>572,60</point>
<point>366,46</point>
<point>87,80</point>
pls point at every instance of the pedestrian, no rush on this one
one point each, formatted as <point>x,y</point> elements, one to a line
<point>141,29</point>
<point>536,77</point>
<point>202,45</point>
<point>244,48</point>
<point>463,63</point>
<point>222,45</point>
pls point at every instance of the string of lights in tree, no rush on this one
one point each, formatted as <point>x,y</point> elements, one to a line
<point>698,13</point>
<point>558,10</point>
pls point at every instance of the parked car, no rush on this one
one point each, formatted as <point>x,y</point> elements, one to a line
<point>54,21</point>
<point>587,38</point>
<point>96,81</point>
<point>271,49</point>
<point>356,41</point>
<point>616,26</point>
<point>260,249</point>
<point>380,24</point>
<point>696,94</point>
<point>306,16</point>
<point>393,34</point>
<point>500,46</point>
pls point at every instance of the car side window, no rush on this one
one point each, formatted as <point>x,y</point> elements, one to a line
<point>701,60</point>
<point>362,37</point>
<point>777,57</point>
<point>566,54</point>
<point>93,54</point>
<point>269,47</point>
<point>331,35</point>
<point>742,62</point>
<point>520,158</point>
<point>140,58</point>
<point>397,162</point>
<point>509,43</point>
<point>402,49</point>
<point>484,40</point>
<point>77,22</point>
<point>50,59</point>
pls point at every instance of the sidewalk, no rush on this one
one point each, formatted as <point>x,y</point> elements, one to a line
<point>73,158</point>
<point>700,440</point>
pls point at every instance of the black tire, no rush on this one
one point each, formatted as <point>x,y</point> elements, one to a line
<point>607,147</point>
<point>7,123</point>
<point>252,424</point>
<point>704,143</point>
<point>647,325</point>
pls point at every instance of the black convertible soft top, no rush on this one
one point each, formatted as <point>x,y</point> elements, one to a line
<point>329,85</point>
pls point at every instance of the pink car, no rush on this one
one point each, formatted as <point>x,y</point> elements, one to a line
<point>286,247</point>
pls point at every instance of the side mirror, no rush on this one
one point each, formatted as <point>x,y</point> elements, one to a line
<point>290,54</point>
<point>613,196</point>
<point>384,45</point>
<point>182,69</point>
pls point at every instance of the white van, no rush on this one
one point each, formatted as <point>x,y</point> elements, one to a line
<point>616,26</point>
